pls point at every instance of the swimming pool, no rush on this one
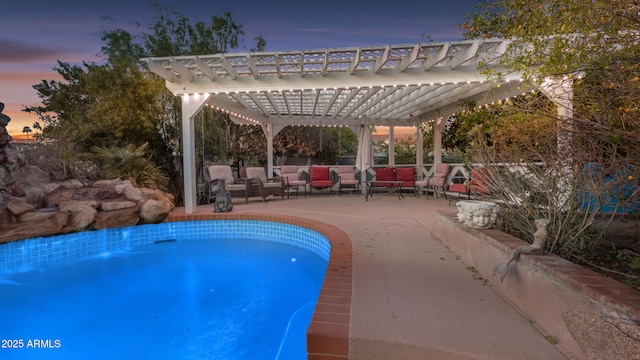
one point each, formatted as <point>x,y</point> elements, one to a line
<point>209,321</point>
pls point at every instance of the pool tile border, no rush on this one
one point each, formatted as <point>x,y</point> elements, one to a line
<point>328,332</point>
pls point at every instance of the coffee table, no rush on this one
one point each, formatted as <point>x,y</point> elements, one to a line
<point>393,186</point>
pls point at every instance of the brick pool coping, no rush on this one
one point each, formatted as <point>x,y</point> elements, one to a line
<point>328,332</point>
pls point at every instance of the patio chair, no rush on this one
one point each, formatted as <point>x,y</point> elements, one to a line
<point>408,175</point>
<point>437,179</point>
<point>261,186</point>
<point>320,178</point>
<point>237,187</point>
<point>477,184</point>
<point>347,179</point>
<point>292,179</point>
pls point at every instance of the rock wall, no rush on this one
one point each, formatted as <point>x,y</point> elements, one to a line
<point>33,205</point>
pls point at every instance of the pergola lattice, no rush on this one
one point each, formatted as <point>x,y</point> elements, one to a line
<point>392,85</point>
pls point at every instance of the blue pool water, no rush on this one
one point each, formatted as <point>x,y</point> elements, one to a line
<point>207,296</point>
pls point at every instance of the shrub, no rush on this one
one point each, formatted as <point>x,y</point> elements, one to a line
<point>130,163</point>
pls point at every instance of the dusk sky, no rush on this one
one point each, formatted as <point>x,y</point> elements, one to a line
<point>34,34</point>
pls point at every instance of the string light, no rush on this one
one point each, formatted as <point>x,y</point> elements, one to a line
<point>370,87</point>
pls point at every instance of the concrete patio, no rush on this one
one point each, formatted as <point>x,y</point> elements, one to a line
<point>412,298</point>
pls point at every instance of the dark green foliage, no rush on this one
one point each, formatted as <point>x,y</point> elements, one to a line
<point>130,163</point>
<point>117,104</point>
<point>593,47</point>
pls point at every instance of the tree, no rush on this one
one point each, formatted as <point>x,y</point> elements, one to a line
<point>596,45</point>
<point>64,104</point>
<point>117,103</point>
<point>38,135</point>
<point>325,144</point>
<point>246,143</point>
<point>558,37</point>
<point>172,35</point>
<point>405,152</point>
<point>26,130</point>
<point>584,160</point>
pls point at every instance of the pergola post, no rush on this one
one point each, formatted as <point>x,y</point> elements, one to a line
<point>190,106</point>
<point>419,149</point>
<point>560,92</point>
<point>437,140</point>
<point>270,131</point>
<point>392,146</point>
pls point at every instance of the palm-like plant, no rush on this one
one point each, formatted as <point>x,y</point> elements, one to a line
<point>130,163</point>
<point>26,130</point>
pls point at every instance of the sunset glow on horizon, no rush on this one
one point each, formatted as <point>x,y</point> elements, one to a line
<point>15,96</point>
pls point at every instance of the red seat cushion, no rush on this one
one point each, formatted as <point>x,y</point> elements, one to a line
<point>319,173</point>
<point>321,183</point>
<point>408,175</point>
<point>459,188</point>
<point>384,174</point>
<point>320,176</point>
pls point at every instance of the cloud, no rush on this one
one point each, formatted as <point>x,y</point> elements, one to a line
<point>19,52</point>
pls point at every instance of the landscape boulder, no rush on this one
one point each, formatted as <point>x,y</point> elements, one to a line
<point>36,200</point>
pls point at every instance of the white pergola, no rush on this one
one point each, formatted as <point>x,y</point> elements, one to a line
<point>392,85</point>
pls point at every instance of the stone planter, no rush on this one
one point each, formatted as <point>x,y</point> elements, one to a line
<point>477,214</point>
<point>585,314</point>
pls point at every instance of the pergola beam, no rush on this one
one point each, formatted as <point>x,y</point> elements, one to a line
<point>272,101</point>
<point>258,103</point>
<point>252,66</point>
<point>226,65</point>
<point>224,104</point>
<point>205,69</point>
<point>354,62</point>
<point>384,95</point>
<point>408,59</point>
<point>431,61</point>
<point>464,56</point>
<point>371,92</point>
<point>347,100</point>
<point>162,72</point>
<point>381,60</point>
